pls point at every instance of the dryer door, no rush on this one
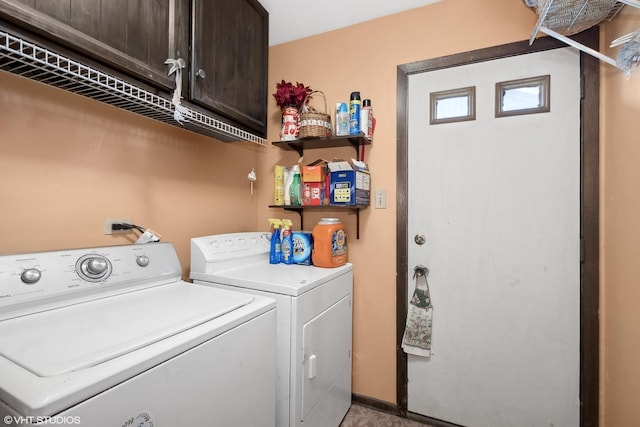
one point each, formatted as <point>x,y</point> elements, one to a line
<point>327,356</point>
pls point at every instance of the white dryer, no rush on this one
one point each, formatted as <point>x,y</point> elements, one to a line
<point>112,337</point>
<point>314,311</point>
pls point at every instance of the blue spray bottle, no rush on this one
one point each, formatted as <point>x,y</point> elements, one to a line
<point>275,252</point>
<point>287,242</point>
<point>354,113</point>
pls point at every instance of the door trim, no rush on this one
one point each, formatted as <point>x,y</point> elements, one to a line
<point>589,208</point>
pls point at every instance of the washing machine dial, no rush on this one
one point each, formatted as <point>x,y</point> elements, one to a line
<point>93,268</point>
<point>142,260</point>
<point>30,276</point>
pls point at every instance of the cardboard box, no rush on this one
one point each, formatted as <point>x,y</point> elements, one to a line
<point>313,193</point>
<point>350,183</point>
<point>315,173</point>
<point>315,181</point>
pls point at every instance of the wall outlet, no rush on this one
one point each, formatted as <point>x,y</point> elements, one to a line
<point>381,199</point>
<point>109,221</point>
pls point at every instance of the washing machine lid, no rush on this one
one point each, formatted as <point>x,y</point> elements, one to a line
<point>76,337</point>
<point>284,279</point>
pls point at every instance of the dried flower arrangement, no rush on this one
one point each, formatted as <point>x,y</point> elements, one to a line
<point>288,95</point>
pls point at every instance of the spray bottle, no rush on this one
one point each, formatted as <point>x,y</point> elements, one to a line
<point>342,119</point>
<point>275,253</point>
<point>354,113</point>
<point>287,242</point>
<point>296,187</point>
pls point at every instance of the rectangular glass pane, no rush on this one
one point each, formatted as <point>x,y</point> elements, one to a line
<point>456,105</point>
<point>452,107</point>
<point>523,96</point>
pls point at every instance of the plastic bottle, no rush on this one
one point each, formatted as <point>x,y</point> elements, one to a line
<point>278,198</point>
<point>275,252</point>
<point>287,242</point>
<point>288,178</point>
<point>354,113</point>
<point>329,243</point>
<point>366,119</point>
<point>342,119</point>
<point>296,187</point>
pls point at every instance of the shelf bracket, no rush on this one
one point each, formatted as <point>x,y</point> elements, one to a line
<point>581,47</point>
<point>356,144</point>
<point>299,211</point>
<point>297,148</point>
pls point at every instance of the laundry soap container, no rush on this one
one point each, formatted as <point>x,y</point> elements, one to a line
<point>329,243</point>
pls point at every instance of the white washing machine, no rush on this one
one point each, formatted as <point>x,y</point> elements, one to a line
<point>113,337</point>
<point>314,311</point>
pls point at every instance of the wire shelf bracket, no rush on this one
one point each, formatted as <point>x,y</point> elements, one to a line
<point>580,46</point>
<point>29,60</point>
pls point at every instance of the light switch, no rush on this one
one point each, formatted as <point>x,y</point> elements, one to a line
<point>381,199</point>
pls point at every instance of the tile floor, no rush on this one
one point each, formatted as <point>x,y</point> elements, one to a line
<point>361,416</point>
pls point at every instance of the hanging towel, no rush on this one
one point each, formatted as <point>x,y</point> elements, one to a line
<point>417,332</point>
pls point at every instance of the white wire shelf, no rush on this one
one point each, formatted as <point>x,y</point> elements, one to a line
<point>26,59</point>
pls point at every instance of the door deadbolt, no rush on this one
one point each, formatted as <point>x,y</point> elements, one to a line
<point>420,239</point>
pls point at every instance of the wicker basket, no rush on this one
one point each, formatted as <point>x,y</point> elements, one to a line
<point>313,123</point>
<point>570,17</point>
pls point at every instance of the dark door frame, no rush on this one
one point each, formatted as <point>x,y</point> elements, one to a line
<point>589,209</point>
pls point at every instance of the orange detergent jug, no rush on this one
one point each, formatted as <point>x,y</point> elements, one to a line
<point>329,243</point>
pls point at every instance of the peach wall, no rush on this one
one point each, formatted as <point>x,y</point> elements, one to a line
<point>67,163</point>
<point>620,207</point>
<point>364,57</point>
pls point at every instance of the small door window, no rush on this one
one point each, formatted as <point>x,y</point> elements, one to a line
<point>523,96</point>
<point>456,105</point>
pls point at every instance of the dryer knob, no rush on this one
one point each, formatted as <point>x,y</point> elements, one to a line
<point>30,276</point>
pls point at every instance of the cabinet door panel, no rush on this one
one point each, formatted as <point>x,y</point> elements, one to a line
<point>135,37</point>
<point>113,24</point>
<point>57,9</point>
<point>230,44</point>
<point>85,17</point>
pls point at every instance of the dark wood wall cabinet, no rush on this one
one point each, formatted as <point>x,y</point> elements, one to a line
<point>229,59</point>
<point>224,45</point>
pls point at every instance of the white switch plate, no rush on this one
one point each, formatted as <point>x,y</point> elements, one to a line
<point>381,199</point>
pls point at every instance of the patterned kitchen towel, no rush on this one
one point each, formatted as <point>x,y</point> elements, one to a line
<point>417,333</point>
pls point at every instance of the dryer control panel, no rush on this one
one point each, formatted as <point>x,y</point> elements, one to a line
<point>221,251</point>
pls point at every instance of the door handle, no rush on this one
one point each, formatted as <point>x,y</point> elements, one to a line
<point>420,239</point>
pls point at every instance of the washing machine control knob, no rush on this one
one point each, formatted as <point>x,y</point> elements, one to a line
<point>142,260</point>
<point>30,276</point>
<point>93,268</point>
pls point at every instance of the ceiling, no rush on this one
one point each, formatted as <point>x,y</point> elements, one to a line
<point>292,20</point>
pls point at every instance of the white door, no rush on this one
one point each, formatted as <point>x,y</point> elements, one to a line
<point>498,200</point>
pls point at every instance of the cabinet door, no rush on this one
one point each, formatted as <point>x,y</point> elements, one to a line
<point>229,60</point>
<point>135,37</point>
